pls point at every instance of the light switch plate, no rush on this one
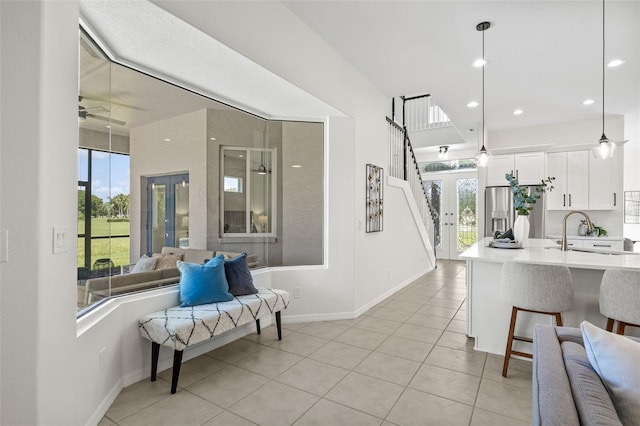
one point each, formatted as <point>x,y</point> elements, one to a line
<point>60,239</point>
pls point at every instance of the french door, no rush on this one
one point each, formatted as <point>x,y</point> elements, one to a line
<point>454,197</point>
<point>167,212</point>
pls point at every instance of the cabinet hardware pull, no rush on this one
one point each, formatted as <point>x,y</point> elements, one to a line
<point>602,245</point>
<point>569,200</point>
<point>564,200</point>
<point>517,173</point>
<point>614,199</point>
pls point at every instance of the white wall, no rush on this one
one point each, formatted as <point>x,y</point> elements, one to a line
<point>38,176</point>
<point>151,155</point>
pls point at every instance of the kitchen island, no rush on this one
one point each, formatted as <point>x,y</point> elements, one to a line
<point>488,315</point>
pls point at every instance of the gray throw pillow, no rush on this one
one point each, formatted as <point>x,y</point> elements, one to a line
<point>238,276</point>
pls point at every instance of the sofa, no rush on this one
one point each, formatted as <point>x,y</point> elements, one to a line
<point>568,390</point>
<point>164,273</point>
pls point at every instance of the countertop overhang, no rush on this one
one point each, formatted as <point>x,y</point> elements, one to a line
<point>547,252</point>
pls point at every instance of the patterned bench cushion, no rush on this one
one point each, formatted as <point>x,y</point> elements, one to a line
<point>179,327</point>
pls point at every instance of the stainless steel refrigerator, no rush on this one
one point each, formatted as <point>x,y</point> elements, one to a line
<point>500,214</point>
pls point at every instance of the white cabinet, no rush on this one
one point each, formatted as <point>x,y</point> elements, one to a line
<point>604,245</point>
<point>528,167</point>
<point>605,182</point>
<point>571,186</point>
<point>584,182</point>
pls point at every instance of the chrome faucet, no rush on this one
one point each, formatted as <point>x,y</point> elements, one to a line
<point>564,245</point>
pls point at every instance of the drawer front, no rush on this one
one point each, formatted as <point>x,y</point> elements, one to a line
<point>604,245</point>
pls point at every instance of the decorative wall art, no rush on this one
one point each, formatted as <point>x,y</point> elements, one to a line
<point>375,184</point>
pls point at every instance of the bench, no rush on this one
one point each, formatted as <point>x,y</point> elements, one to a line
<point>179,328</point>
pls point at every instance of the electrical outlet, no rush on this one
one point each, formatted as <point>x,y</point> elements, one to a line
<point>101,359</point>
<point>60,239</point>
<point>296,292</point>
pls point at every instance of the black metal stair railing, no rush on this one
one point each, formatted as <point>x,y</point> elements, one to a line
<point>403,165</point>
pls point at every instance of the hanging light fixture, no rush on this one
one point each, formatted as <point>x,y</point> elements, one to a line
<point>442,153</point>
<point>483,157</point>
<point>604,148</point>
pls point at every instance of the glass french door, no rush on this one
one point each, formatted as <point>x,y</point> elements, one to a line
<point>167,212</point>
<point>454,197</point>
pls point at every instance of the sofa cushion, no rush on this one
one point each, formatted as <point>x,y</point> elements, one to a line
<point>589,394</point>
<point>202,284</point>
<point>615,359</point>
<point>238,276</point>
<point>144,264</point>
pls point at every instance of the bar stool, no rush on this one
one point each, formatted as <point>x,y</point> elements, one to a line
<point>620,298</point>
<point>541,289</point>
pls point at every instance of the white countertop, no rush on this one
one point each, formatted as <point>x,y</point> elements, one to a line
<point>536,251</point>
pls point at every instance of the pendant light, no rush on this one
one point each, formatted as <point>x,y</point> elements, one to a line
<point>483,157</point>
<point>604,148</point>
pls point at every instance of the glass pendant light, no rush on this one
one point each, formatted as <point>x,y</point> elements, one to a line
<point>604,148</point>
<point>483,157</point>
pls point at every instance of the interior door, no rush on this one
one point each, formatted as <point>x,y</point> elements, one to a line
<point>454,197</point>
<point>167,212</point>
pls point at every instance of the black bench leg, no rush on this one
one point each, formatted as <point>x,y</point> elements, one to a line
<point>177,362</point>
<point>279,325</point>
<point>258,325</point>
<point>155,351</point>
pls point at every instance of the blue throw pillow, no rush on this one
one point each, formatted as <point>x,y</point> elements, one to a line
<point>238,276</point>
<point>202,284</point>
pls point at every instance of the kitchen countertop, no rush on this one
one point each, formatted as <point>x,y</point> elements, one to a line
<point>547,252</point>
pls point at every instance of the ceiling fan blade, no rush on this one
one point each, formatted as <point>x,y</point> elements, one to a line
<point>107,119</point>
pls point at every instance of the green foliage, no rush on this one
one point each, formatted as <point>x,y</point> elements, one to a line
<point>599,231</point>
<point>523,201</point>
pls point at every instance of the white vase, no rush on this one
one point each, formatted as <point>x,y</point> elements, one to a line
<point>521,229</point>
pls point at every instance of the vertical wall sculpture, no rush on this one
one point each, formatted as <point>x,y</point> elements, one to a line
<point>375,196</point>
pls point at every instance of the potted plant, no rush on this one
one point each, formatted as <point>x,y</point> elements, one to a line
<point>524,201</point>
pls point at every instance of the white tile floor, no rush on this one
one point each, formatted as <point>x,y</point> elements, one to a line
<point>406,361</point>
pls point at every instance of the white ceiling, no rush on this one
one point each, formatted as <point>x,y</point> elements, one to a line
<point>544,57</point>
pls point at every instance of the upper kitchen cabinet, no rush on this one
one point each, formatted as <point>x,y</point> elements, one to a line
<point>584,182</point>
<point>571,187</point>
<point>527,167</point>
<point>605,182</point>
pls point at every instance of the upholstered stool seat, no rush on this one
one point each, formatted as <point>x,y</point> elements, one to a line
<point>542,289</point>
<point>620,298</point>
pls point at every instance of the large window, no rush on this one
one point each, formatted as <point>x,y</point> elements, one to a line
<point>248,209</point>
<point>161,166</point>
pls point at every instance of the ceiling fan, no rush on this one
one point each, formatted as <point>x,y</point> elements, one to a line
<point>91,112</point>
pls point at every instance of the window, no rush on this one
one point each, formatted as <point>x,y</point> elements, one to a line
<point>248,210</point>
<point>232,184</point>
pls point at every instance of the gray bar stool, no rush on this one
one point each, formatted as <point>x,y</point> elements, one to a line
<point>620,298</point>
<point>541,289</point>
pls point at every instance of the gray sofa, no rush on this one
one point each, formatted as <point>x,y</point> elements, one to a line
<point>99,288</point>
<point>566,389</point>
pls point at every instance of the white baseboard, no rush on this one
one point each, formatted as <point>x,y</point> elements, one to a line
<point>101,409</point>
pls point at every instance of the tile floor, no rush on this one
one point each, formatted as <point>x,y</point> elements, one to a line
<point>406,361</point>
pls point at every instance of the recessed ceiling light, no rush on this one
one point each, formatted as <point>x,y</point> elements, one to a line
<point>471,130</point>
<point>517,111</point>
<point>616,63</point>
<point>212,139</point>
<point>107,126</point>
<point>296,166</point>
<point>479,62</point>
<point>166,140</point>
<point>588,102</point>
<point>472,104</point>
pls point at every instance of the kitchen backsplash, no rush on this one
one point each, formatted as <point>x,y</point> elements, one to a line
<point>611,220</point>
